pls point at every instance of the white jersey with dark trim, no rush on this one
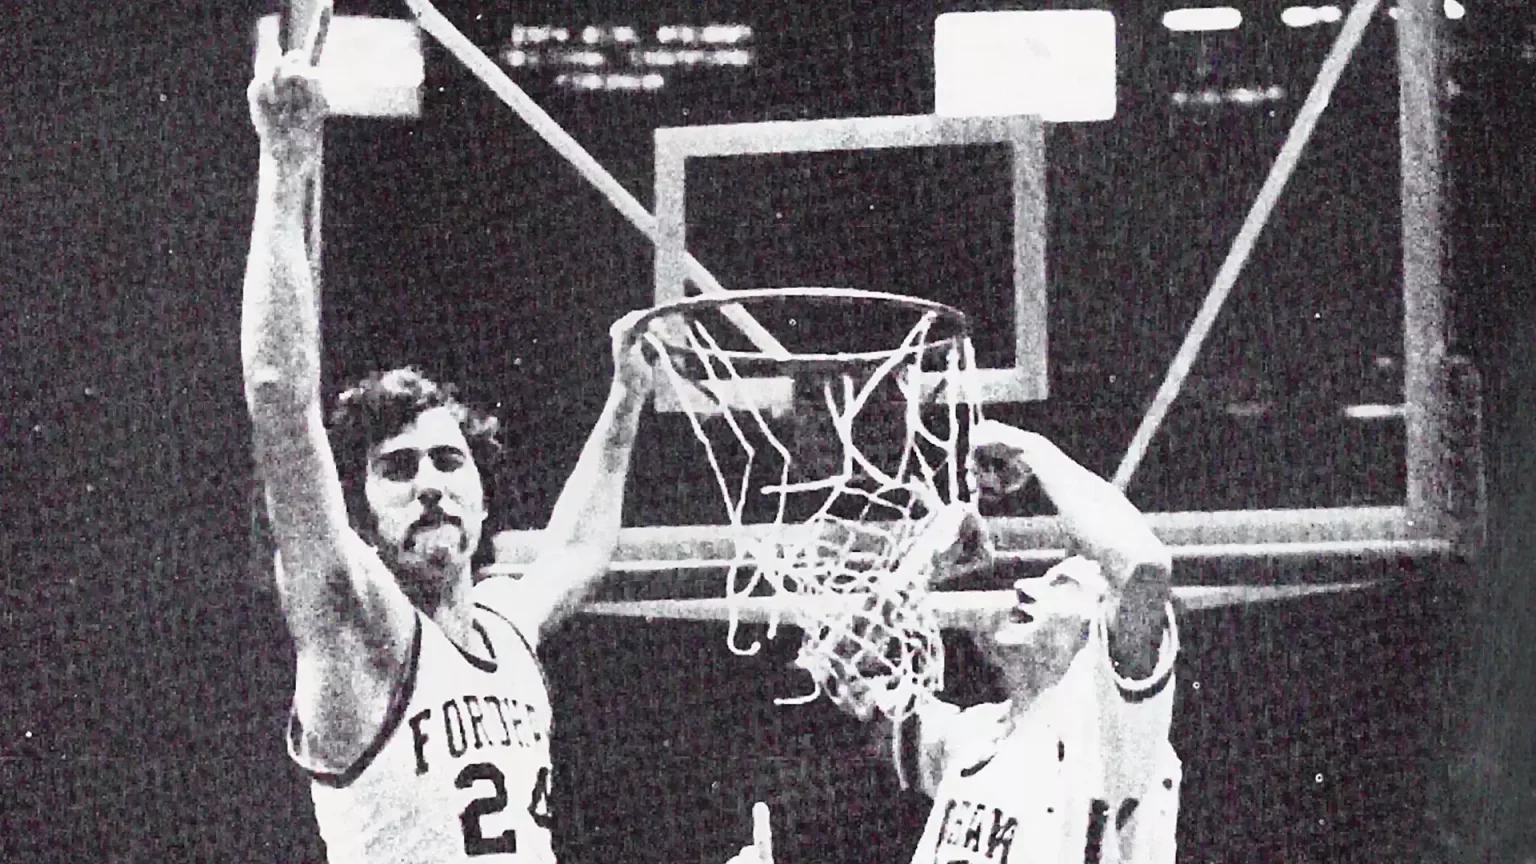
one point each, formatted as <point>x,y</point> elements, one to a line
<point>460,770</point>
<point>1086,777</point>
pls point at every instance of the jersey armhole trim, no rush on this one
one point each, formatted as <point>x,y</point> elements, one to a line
<point>398,702</point>
<point>1134,691</point>
<point>480,663</point>
<point>909,765</point>
<point>526,644</point>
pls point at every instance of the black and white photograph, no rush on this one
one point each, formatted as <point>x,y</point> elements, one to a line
<point>768,432</point>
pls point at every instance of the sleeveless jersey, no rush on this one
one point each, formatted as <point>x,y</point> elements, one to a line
<point>460,770</point>
<point>1087,777</point>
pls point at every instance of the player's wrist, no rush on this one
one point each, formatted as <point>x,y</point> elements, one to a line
<point>1033,449</point>
<point>284,177</point>
<point>626,397</point>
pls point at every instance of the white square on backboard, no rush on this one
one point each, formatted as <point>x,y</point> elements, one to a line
<point>371,67</point>
<point>1056,64</point>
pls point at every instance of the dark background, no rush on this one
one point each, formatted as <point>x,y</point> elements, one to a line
<point>144,674</point>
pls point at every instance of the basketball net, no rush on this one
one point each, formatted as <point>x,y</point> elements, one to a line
<point>855,567</point>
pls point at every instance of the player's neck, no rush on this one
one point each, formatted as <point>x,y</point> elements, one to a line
<point>1027,684</point>
<point>449,606</point>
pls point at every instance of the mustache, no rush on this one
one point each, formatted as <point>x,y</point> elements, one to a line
<point>1020,615</point>
<point>432,519</point>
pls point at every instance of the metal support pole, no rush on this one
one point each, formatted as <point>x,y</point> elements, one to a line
<point>1424,290</point>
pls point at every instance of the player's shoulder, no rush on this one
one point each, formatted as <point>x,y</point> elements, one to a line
<point>981,724</point>
<point>949,735</point>
<point>936,712</point>
<point>496,593</point>
<point>498,598</point>
<point>982,713</point>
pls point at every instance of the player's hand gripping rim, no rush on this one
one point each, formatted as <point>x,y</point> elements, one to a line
<point>633,370</point>
<point>997,464</point>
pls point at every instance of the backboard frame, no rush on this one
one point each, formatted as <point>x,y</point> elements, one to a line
<point>1444,507</point>
<point>1026,380</point>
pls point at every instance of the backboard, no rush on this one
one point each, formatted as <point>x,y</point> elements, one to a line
<point>1229,301</point>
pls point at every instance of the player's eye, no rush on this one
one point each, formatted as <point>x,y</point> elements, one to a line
<point>446,459</point>
<point>398,465</point>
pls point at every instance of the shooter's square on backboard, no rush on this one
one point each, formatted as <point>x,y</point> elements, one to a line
<point>1056,64</point>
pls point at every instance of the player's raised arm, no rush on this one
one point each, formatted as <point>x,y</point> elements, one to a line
<point>952,543</point>
<point>351,627</point>
<point>761,850</point>
<point>577,545</point>
<point>1102,524</point>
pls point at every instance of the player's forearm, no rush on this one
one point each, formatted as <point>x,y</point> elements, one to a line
<point>279,333</point>
<point>1098,516</point>
<point>583,528</point>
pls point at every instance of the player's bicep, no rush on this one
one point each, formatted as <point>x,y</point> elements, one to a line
<point>925,744</point>
<point>342,697</point>
<point>329,580</point>
<point>1138,619</point>
<point>303,493</point>
<point>354,642</point>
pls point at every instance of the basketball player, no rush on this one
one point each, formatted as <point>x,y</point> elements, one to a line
<point>419,707</point>
<point>1074,766</point>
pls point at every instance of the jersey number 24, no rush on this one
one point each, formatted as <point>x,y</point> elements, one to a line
<point>475,841</point>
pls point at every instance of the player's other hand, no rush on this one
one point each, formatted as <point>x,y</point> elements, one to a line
<point>632,370</point>
<point>288,105</point>
<point>761,850</point>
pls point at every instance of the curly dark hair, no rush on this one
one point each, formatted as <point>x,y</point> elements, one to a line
<point>375,409</point>
<point>379,407</point>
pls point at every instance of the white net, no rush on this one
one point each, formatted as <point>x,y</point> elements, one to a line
<point>831,503</point>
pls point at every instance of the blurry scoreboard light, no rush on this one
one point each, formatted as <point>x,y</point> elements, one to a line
<point>1203,19</point>
<point>1056,64</point>
<point>1308,16</point>
<point>372,67</point>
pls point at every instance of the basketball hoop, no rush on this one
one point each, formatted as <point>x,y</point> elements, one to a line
<point>833,531</point>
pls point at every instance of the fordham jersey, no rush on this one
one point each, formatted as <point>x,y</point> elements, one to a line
<point>1086,777</point>
<point>460,769</point>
